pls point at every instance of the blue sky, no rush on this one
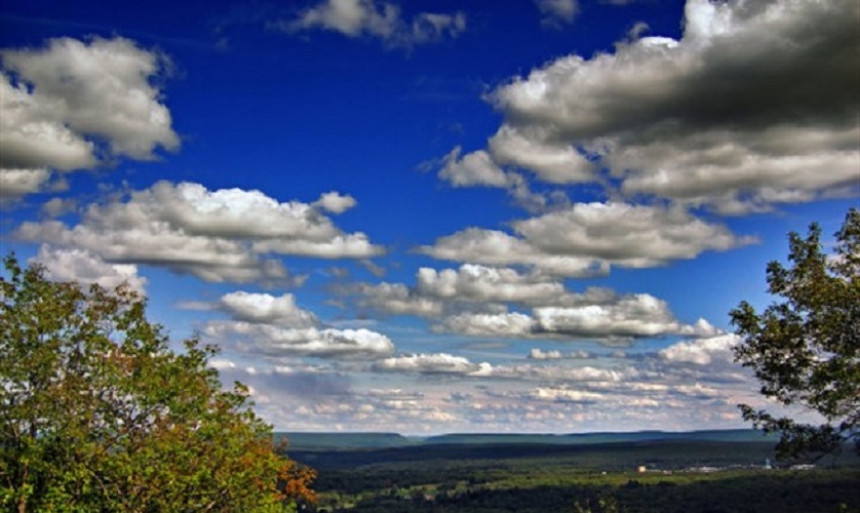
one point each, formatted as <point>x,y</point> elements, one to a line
<point>427,217</point>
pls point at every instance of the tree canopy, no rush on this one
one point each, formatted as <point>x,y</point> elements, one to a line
<point>805,349</point>
<point>97,413</point>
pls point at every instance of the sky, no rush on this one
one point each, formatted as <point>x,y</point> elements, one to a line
<point>433,217</point>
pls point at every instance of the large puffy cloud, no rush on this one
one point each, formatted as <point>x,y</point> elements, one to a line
<point>624,318</point>
<point>276,327</point>
<point>64,107</point>
<point>214,235</point>
<point>703,351</point>
<point>396,298</point>
<point>585,239</point>
<point>637,315</point>
<point>278,342</point>
<point>15,183</point>
<point>755,105</point>
<point>85,267</point>
<point>265,308</point>
<point>477,300</point>
<point>383,20</point>
<point>481,283</point>
<point>498,248</point>
<point>472,287</point>
<point>507,324</point>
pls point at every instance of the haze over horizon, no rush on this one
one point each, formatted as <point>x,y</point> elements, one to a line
<point>437,217</point>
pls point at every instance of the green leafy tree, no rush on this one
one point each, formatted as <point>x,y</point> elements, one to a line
<point>98,414</point>
<point>805,349</point>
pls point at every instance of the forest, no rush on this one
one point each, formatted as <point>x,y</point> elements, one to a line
<point>656,475</point>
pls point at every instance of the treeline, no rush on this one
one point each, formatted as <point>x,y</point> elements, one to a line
<point>824,491</point>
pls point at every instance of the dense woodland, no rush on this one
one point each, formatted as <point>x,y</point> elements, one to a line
<point>682,476</point>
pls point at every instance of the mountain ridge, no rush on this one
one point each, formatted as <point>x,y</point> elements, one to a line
<point>360,440</point>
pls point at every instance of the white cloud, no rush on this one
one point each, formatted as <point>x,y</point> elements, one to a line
<point>335,202</point>
<point>15,183</point>
<point>703,351</point>
<point>557,12</point>
<point>475,300</point>
<point>780,123</point>
<point>68,97</point>
<point>277,328</point>
<point>494,247</point>
<point>266,308</point>
<point>555,354</point>
<point>352,245</point>
<point>626,235</point>
<point>85,267</point>
<point>638,315</point>
<point>278,342</point>
<point>396,298</point>
<point>627,317</point>
<point>215,235</point>
<point>566,394</point>
<point>558,163</point>
<point>585,239</point>
<point>383,20</point>
<point>56,207</point>
<point>473,169</point>
<point>509,324</point>
<point>438,363</point>
<point>473,282</point>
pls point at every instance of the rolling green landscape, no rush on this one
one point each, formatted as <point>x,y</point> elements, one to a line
<point>705,471</point>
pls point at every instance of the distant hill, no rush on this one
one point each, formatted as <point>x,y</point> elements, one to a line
<point>333,440</point>
<point>310,441</point>
<point>732,435</point>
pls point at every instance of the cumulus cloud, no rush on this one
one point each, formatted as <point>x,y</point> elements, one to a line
<point>508,324</point>
<point>85,267</point>
<point>15,183</point>
<point>383,20</point>
<point>471,287</point>
<point>636,315</point>
<point>703,351</point>
<point>585,239</point>
<point>438,363</point>
<point>277,328</point>
<point>335,202</point>
<point>278,342</point>
<point>754,106</point>
<point>72,104</point>
<point>396,298</point>
<point>439,291</point>
<point>476,168</point>
<point>498,248</point>
<point>215,235</point>
<point>266,308</point>
<point>478,300</point>
<point>627,317</point>
<point>56,207</point>
<point>473,282</point>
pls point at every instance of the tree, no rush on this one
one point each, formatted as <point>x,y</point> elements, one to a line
<point>805,349</point>
<point>97,413</point>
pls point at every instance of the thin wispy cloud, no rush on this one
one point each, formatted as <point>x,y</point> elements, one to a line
<point>380,20</point>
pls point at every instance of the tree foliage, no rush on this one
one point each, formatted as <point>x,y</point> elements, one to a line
<point>97,413</point>
<point>805,349</point>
